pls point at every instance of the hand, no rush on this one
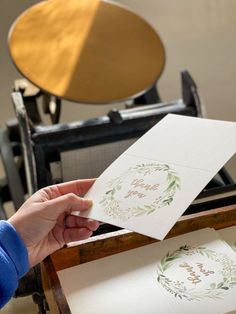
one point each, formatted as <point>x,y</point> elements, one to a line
<point>44,221</point>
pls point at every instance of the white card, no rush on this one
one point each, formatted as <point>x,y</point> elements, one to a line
<point>112,285</point>
<point>154,181</point>
<point>192,273</point>
<point>195,272</point>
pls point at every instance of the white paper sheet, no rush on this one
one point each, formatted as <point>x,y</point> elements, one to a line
<point>153,182</point>
<point>193,273</point>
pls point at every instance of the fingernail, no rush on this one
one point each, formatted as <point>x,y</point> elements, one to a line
<point>90,203</point>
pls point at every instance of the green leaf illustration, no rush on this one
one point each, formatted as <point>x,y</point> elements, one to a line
<point>110,200</point>
<point>177,289</point>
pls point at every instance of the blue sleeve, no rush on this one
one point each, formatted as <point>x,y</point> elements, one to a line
<point>13,261</point>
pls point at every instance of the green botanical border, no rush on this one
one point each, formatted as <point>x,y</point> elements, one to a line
<point>111,205</point>
<point>214,291</point>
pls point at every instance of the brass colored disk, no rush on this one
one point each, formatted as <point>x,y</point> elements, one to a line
<point>88,51</point>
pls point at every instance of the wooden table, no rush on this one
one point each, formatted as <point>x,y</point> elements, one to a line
<point>88,51</point>
<point>115,242</point>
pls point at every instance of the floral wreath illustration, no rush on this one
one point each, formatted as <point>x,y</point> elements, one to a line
<point>111,205</point>
<point>214,291</point>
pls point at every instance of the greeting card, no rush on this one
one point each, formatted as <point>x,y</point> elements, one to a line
<point>192,273</point>
<point>153,182</point>
<point>196,272</point>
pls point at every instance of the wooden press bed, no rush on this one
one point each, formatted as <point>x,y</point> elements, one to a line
<point>118,241</point>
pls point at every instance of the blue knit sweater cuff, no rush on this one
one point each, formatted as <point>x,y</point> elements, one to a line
<point>13,245</point>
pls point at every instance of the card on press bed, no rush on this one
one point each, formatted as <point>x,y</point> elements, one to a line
<point>193,273</point>
<point>154,181</point>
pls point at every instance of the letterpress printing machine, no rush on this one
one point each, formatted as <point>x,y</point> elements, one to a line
<point>53,153</point>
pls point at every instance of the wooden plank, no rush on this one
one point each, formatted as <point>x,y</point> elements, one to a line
<point>52,289</point>
<point>116,242</point>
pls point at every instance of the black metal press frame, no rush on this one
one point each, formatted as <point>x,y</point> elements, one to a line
<point>40,145</point>
<point>43,144</point>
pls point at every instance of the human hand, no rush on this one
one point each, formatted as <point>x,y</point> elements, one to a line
<point>44,221</point>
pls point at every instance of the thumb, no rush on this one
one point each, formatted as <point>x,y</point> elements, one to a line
<point>66,204</point>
